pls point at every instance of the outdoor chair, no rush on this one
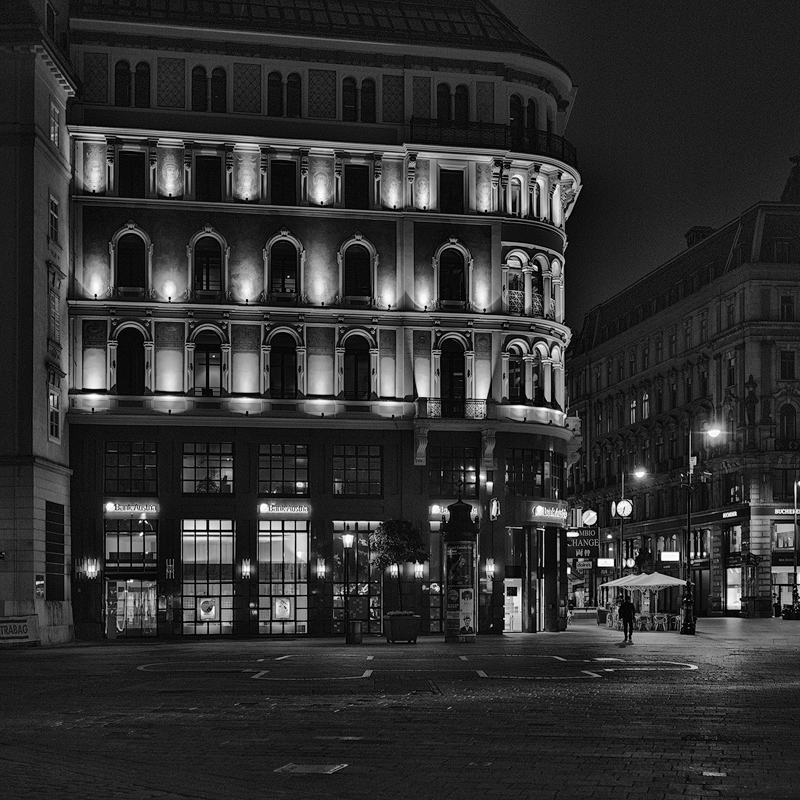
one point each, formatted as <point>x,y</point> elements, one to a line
<point>660,622</point>
<point>642,622</point>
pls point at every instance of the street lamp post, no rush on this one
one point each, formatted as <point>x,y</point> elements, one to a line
<point>688,624</point>
<point>347,545</point>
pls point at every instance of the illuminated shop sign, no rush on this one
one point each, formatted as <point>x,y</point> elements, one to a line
<point>129,507</point>
<point>550,513</point>
<point>437,510</point>
<point>284,508</point>
<point>605,563</point>
<point>784,512</point>
<point>670,555</point>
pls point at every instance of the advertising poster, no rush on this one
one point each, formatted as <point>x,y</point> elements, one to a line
<point>461,594</point>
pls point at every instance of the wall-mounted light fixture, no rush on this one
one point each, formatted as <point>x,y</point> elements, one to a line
<point>394,570</point>
<point>490,568</point>
<point>321,569</point>
<point>246,569</point>
<point>418,567</point>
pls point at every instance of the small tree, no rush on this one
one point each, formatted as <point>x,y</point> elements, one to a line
<point>397,541</point>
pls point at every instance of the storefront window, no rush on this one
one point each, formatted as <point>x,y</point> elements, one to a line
<point>282,576</point>
<point>207,552</point>
<point>357,470</point>
<point>130,468</point>
<point>733,588</point>
<point>783,535</point>
<point>130,544</point>
<point>453,470</point>
<point>131,607</point>
<point>733,536</point>
<point>363,583</point>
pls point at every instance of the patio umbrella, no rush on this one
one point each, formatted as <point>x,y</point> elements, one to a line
<point>654,582</point>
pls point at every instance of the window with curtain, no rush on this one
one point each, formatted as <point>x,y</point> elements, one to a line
<point>283,367</point>
<point>208,265</point>
<point>283,268</point>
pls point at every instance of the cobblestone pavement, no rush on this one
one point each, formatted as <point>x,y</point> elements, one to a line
<point>574,715</point>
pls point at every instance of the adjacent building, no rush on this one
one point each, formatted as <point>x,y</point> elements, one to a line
<point>707,340</point>
<point>311,277</point>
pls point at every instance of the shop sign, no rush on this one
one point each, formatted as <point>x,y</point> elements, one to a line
<point>782,559</point>
<point>670,555</point>
<point>284,509</point>
<point>786,512</point>
<point>549,513</point>
<point>438,510</point>
<point>741,512</point>
<point>605,563</point>
<point>129,506</point>
<point>583,543</point>
<point>584,565</point>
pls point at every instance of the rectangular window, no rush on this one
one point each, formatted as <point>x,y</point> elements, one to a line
<point>54,553</point>
<point>673,344</point>
<point>131,544</point>
<point>781,248</point>
<point>731,488</point>
<point>782,488</point>
<point>207,575</point>
<point>130,468</point>
<point>208,179</point>
<point>783,536</point>
<point>687,332</point>
<point>54,414</point>
<point>55,125</point>
<point>631,365</point>
<point>659,350</point>
<point>453,470</point>
<point>704,327</point>
<point>207,467</point>
<point>646,357</point>
<point>730,372</point>
<point>733,535</point>
<point>283,183</point>
<point>358,470</point>
<point>787,308</point>
<point>131,173</point>
<point>283,470</point>
<point>53,316</point>
<point>356,186</point>
<point>52,231</point>
<point>787,370</point>
<point>283,576</point>
<point>451,191</point>
<point>525,473</point>
<point>730,314</point>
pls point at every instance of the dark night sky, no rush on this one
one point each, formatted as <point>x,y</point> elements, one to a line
<point>687,113</point>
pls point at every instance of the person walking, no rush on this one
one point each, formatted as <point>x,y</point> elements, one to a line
<point>627,612</point>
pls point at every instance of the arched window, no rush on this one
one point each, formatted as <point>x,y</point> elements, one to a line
<point>142,88</point>
<point>294,96</point>
<point>131,262</point>
<point>283,268</point>
<point>199,89</point>
<point>453,387</point>
<point>532,123</point>
<point>207,265</point>
<point>516,376</point>
<point>357,272</point>
<point>632,407</point>
<point>368,100</point>
<point>207,363</point>
<point>516,197</point>
<point>122,84</point>
<point>444,111</point>
<point>219,87</point>
<point>516,120</point>
<point>452,276</point>
<point>130,361</point>
<point>462,104</point>
<point>349,100</point>
<point>283,367</point>
<point>550,125</point>
<point>356,369</point>
<point>646,405</point>
<point>788,422</point>
<point>275,95</point>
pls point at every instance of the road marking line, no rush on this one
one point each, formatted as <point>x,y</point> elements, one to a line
<point>481,673</point>
<point>259,674</point>
<point>709,774</point>
<point>558,658</point>
<point>280,658</point>
<point>367,673</point>
<point>590,673</point>
<point>370,658</point>
<point>463,658</point>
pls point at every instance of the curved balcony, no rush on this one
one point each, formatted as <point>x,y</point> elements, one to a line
<point>494,136</point>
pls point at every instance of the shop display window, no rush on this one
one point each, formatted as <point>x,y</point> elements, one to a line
<point>283,576</point>
<point>207,589</point>
<point>783,536</point>
<point>733,588</point>
<point>131,544</point>
<point>358,470</point>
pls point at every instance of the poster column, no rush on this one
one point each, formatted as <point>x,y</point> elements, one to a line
<point>460,547</point>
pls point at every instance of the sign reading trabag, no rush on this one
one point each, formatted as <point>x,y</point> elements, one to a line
<point>547,512</point>
<point>17,630</point>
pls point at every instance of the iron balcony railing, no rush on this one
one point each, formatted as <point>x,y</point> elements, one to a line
<point>492,135</point>
<point>457,409</point>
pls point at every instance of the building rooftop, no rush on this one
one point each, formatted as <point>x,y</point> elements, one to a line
<point>477,24</point>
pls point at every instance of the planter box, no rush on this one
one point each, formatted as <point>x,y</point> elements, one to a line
<point>402,628</point>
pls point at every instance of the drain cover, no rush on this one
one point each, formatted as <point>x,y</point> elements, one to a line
<point>318,769</point>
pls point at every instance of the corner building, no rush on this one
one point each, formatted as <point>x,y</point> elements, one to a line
<point>318,282</point>
<point>709,339</point>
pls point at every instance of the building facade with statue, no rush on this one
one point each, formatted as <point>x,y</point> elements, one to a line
<point>311,278</point>
<point>707,341</point>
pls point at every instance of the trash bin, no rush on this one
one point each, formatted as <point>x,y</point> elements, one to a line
<point>602,616</point>
<point>354,632</point>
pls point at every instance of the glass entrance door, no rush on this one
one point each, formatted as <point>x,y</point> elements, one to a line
<point>130,608</point>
